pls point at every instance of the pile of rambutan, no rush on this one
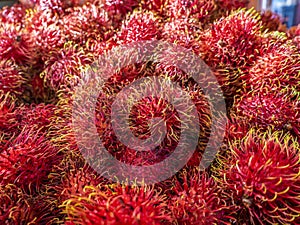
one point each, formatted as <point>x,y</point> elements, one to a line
<point>46,49</point>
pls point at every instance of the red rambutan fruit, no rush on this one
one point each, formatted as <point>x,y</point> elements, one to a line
<point>182,32</point>
<point>85,22</point>
<point>232,41</point>
<point>65,66</point>
<point>268,110</point>
<point>156,6</point>
<point>271,21</point>
<point>13,14</point>
<point>45,30</point>
<point>36,116</point>
<point>16,44</point>
<point>197,199</point>
<point>261,173</point>
<point>117,9</point>
<point>140,26</point>
<point>18,207</point>
<point>12,78</point>
<point>277,71</point>
<point>27,160</point>
<point>232,4</point>
<point>200,11</point>
<point>118,205</point>
<point>8,119</point>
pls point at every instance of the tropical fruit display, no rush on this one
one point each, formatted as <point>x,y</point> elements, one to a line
<point>219,145</point>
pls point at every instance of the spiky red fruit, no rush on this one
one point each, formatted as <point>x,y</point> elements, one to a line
<point>118,205</point>
<point>198,10</point>
<point>232,4</point>
<point>45,31</point>
<point>262,174</point>
<point>36,116</point>
<point>268,110</point>
<point>89,21</point>
<point>15,44</point>
<point>232,41</point>
<point>13,15</point>
<point>277,71</point>
<point>182,32</point>
<point>64,67</point>
<point>198,200</point>
<point>156,6</point>
<point>12,78</point>
<point>271,21</point>
<point>140,26</point>
<point>8,119</point>
<point>27,159</point>
<point>17,207</point>
<point>117,9</point>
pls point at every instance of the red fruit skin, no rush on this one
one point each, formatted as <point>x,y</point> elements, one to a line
<point>232,5</point>
<point>232,41</point>
<point>271,21</point>
<point>140,26</point>
<point>12,78</point>
<point>89,21</point>
<point>45,32</point>
<point>118,204</point>
<point>268,111</point>
<point>197,199</point>
<point>17,207</point>
<point>13,14</point>
<point>27,160</point>
<point>198,10</point>
<point>15,44</point>
<point>8,120</point>
<point>65,67</point>
<point>117,9</point>
<point>36,116</point>
<point>182,32</point>
<point>261,172</point>
<point>276,71</point>
<point>156,6</point>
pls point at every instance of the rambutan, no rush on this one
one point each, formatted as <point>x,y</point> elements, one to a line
<point>85,22</point>
<point>261,173</point>
<point>198,200</point>
<point>182,32</point>
<point>200,11</point>
<point>277,71</point>
<point>272,21</point>
<point>12,78</point>
<point>268,110</point>
<point>118,205</point>
<point>118,9</point>
<point>65,66</point>
<point>13,15</point>
<point>156,6</point>
<point>36,116</point>
<point>8,119</point>
<point>45,30</point>
<point>27,160</point>
<point>140,26</point>
<point>232,41</point>
<point>16,44</point>
<point>232,4</point>
<point>18,207</point>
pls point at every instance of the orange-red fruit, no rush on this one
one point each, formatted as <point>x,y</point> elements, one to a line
<point>27,159</point>
<point>118,205</point>
<point>198,200</point>
<point>232,41</point>
<point>261,172</point>
<point>268,110</point>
